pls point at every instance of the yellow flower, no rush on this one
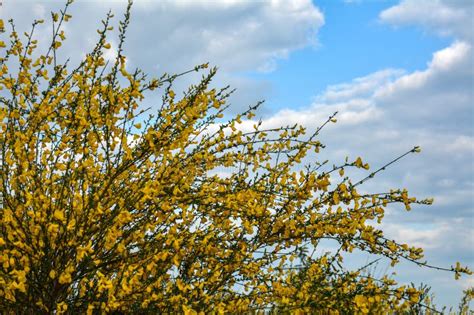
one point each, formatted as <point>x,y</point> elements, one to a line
<point>65,278</point>
<point>52,274</point>
<point>360,301</point>
<point>358,162</point>
<point>59,215</point>
<point>188,310</point>
<point>61,307</point>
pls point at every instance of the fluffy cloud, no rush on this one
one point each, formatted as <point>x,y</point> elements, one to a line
<point>237,35</point>
<point>173,36</point>
<point>439,97</point>
<point>445,17</point>
<point>176,35</point>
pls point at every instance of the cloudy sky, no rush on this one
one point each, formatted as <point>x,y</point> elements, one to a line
<point>399,73</point>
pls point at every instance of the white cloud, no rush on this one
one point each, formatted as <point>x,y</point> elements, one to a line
<point>417,235</point>
<point>438,97</point>
<point>449,57</point>
<point>235,35</point>
<point>445,17</point>
<point>39,11</point>
<point>358,87</point>
<point>456,57</point>
<point>174,36</point>
<point>353,101</point>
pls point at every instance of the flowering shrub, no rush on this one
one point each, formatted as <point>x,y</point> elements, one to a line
<point>104,208</point>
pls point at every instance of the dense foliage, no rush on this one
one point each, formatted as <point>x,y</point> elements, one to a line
<point>105,207</point>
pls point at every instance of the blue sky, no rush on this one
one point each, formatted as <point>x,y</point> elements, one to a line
<point>400,73</point>
<point>352,43</point>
